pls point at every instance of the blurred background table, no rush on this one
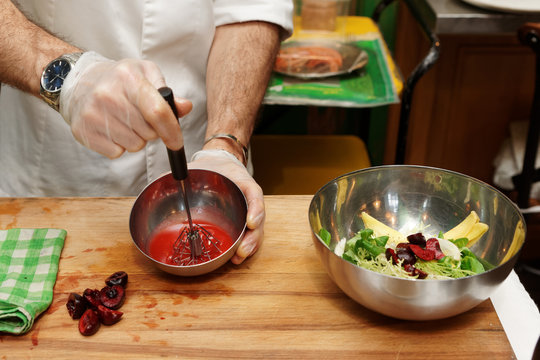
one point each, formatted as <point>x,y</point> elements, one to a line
<point>460,17</point>
<point>378,83</point>
<point>302,163</point>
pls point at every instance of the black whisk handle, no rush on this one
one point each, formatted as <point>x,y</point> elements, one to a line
<point>177,158</point>
<point>167,94</point>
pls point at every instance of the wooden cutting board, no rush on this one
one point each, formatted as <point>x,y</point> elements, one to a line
<point>278,304</point>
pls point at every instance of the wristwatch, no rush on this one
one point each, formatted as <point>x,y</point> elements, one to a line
<point>53,77</point>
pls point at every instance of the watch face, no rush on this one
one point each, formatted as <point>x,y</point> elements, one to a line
<point>54,75</point>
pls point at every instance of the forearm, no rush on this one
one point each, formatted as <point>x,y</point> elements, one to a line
<point>239,68</point>
<point>26,49</point>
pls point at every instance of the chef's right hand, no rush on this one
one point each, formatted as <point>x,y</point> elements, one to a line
<point>114,106</point>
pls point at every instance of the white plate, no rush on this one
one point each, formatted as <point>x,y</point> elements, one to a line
<point>513,6</point>
<point>353,58</point>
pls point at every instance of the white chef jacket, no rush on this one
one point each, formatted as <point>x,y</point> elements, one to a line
<point>38,154</point>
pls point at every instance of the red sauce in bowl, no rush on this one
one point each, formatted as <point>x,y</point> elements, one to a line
<point>161,245</point>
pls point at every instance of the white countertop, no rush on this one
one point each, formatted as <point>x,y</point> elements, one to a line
<point>519,316</point>
<point>459,17</point>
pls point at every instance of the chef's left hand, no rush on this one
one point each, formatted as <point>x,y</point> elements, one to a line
<point>226,164</point>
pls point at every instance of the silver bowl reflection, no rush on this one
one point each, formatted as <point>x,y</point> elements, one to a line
<point>213,198</point>
<point>401,196</point>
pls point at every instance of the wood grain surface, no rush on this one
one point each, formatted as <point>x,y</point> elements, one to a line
<point>279,304</point>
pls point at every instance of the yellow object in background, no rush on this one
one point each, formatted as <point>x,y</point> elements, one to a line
<point>301,164</point>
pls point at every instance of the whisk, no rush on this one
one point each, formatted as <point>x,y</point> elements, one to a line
<point>194,244</point>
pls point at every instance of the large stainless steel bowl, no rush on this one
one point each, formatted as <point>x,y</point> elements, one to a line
<point>400,196</point>
<point>212,198</point>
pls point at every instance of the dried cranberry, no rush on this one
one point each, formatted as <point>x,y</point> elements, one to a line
<point>424,254</point>
<point>409,268</point>
<point>421,274</point>
<point>76,305</point>
<point>391,254</point>
<point>417,239</point>
<point>108,316</point>
<point>89,323</point>
<point>414,271</point>
<point>92,297</point>
<point>118,278</point>
<point>112,296</point>
<point>433,245</point>
<point>406,255</point>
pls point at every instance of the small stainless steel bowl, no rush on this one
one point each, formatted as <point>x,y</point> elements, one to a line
<point>212,198</point>
<point>399,195</point>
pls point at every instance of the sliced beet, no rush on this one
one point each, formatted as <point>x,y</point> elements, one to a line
<point>424,254</point>
<point>406,255</point>
<point>417,239</point>
<point>391,254</point>
<point>433,245</point>
<point>89,323</point>
<point>112,296</point>
<point>108,316</point>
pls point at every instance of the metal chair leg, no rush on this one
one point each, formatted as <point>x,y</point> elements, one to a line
<point>529,34</point>
<point>427,62</point>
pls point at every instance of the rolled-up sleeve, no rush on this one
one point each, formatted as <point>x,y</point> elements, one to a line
<point>278,12</point>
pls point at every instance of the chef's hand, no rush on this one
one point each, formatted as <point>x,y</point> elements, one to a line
<point>114,106</point>
<point>226,164</point>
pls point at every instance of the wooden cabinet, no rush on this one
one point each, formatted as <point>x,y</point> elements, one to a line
<point>462,106</point>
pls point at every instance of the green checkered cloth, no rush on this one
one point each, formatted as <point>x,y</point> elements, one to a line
<point>28,268</point>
